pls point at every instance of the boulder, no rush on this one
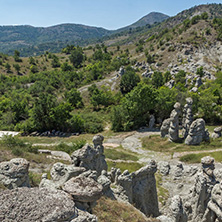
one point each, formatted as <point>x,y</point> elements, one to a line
<point>165,127</point>
<point>197,133</point>
<point>34,204</point>
<point>14,173</point>
<point>84,216</point>
<point>83,189</point>
<point>164,168</point>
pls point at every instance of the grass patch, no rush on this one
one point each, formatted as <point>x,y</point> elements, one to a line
<point>131,167</point>
<point>2,187</point>
<point>70,148</point>
<point>108,210</point>
<point>158,144</point>
<point>119,155</point>
<point>162,193</point>
<point>196,158</point>
<point>35,178</point>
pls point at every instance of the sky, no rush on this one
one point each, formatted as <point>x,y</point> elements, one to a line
<point>109,14</point>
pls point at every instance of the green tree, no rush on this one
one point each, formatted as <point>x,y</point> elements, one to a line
<point>76,57</point>
<point>129,80</point>
<point>17,67</point>
<point>66,67</point>
<point>34,69</point>
<point>134,108</point>
<point>74,98</point>
<point>55,62</point>
<point>17,56</point>
<point>8,67</point>
<point>157,79</point>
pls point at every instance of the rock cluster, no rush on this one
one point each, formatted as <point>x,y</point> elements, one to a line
<point>196,203</point>
<point>217,132</point>
<point>14,173</point>
<point>91,158</point>
<point>197,133</point>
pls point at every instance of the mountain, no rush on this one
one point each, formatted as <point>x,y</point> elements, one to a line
<point>149,19</point>
<point>18,37</point>
<point>29,39</point>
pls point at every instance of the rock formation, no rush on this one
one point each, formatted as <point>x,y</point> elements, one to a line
<point>217,132</point>
<point>144,189</point>
<point>60,173</point>
<point>91,158</point>
<point>151,122</point>
<point>164,130</point>
<point>196,203</point>
<point>124,186</point>
<point>187,117</point>
<point>164,167</point>
<point>85,191</point>
<point>34,204</point>
<point>214,207</point>
<point>197,133</point>
<point>14,173</point>
<point>174,123</point>
<point>176,212</point>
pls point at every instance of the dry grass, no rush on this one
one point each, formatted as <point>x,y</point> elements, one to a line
<point>108,210</point>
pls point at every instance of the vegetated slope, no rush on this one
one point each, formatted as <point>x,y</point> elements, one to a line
<point>31,40</point>
<point>188,40</point>
<point>18,37</point>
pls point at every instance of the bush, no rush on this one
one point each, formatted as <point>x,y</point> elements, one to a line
<point>92,123</point>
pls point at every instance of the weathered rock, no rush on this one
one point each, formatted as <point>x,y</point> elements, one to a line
<point>91,158</point>
<point>124,186</point>
<point>105,182</point>
<point>187,117</point>
<point>60,173</point>
<point>121,71</point>
<point>165,127</point>
<point>196,202</point>
<point>214,207</point>
<point>217,132</point>
<point>151,122</point>
<point>198,82</point>
<point>84,216</point>
<point>144,190</point>
<point>164,167</point>
<point>197,133</point>
<point>83,189</point>
<point>14,173</point>
<point>33,204</point>
<point>177,171</point>
<point>174,123</point>
<point>177,212</point>
<point>170,84</point>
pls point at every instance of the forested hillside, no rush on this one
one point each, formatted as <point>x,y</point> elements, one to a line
<point>121,85</point>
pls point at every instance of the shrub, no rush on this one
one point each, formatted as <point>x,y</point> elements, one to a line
<point>70,148</point>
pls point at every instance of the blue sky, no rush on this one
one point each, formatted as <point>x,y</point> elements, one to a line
<point>110,14</point>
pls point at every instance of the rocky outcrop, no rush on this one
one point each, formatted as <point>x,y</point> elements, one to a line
<point>60,173</point>
<point>174,123</point>
<point>176,212</point>
<point>196,203</point>
<point>214,207</point>
<point>84,216</point>
<point>14,173</point>
<point>164,167</point>
<point>165,127</point>
<point>144,189</point>
<point>217,132</point>
<point>197,133</point>
<point>91,158</point>
<point>187,117</point>
<point>34,204</point>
